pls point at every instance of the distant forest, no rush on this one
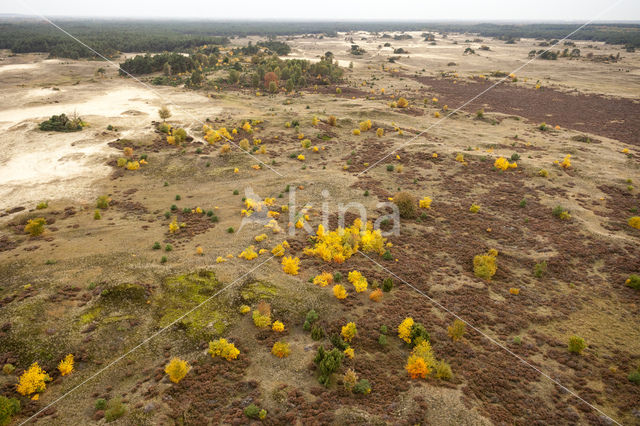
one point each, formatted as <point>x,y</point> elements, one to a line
<point>109,37</point>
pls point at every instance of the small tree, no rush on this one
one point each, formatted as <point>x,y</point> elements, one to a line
<point>164,113</point>
<point>576,344</point>
<point>328,363</point>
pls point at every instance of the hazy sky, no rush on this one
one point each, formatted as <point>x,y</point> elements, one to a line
<point>487,10</point>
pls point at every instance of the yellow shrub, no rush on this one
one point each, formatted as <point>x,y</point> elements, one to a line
<point>358,281</point>
<point>133,165</point>
<point>425,203</point>
<point>484,265</point>
<point>66,365</point>
<point>127,151</point>
<point>278,250</point>
<point>171,140</point>
<point>349,331</point>
<point>404,329</point>
<point>249,253</point>
<point>543,173</point>
<point>246,126</point>
<point>566,162</point>
<point>365,125</point>
<point>332,120</point>
<point>173,226</point>
<point>457,330</point>
<point>35,226</point>
<point>223,349</point>
<point>402,103</point>
<point>634,222</point>
<point>33,380</point>
<point>261,320</point>
<point>261,237</point>
<point>349,353</point>
<point>339,292</point>
<point>503,164</point>
<point>278,326</point>
<point>281,349</point>
<point>380,132</point>
<point>290,265</point>
<point>474,208</point>
<point>177,369</point>
<point>323,280</point>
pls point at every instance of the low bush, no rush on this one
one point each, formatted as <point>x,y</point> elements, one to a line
<point>576,344</point>
<point>406,204</point>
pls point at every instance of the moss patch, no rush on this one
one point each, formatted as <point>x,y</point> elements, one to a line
<point>182,293</point>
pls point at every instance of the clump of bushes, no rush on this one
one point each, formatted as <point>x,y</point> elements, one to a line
<point>254,412</point>
<point>328,362</point>
<point>561,213</point>
<point>62,123</point>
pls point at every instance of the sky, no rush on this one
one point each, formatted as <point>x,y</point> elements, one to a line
<point>337,10</point>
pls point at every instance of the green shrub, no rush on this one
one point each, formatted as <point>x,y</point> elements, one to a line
<point>382,340</point>
<point>337,277</point>
<point>633,281</point>
<point>115,411</point>
<point>156,246</point>
<point>634,377</point>
<point>576,344</point>
<point>387,284</point>
<point>418,334</point>
<point>327,362</point>
<point>42,205</point>
<point>8,408</point>
<point>103,202</point>
<point>540,269</point>
<point>101,404</point>
<point>317,333</point>
<point>252,411</point>
<point>363,387</point>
